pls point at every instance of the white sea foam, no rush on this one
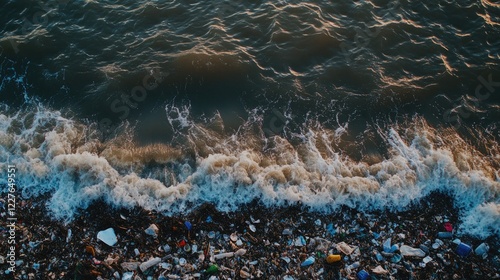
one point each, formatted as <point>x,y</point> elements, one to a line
<point>61,157</point>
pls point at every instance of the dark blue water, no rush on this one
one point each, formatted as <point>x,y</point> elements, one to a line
<point>318,90</point>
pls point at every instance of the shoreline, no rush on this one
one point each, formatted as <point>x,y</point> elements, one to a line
<point>275,244</point>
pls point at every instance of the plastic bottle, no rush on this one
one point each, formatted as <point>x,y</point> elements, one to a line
<point>147,264</point>
<point>445,234</point>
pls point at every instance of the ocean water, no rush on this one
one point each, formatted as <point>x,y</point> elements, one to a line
<point>168,105</point>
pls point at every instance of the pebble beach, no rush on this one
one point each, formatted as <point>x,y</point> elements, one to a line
<point>252,243</point>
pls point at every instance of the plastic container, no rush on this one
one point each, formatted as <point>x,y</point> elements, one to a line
<point>333,258</point>
<point>363,275</point>
<point>463,249</point>
<point>482,249</point>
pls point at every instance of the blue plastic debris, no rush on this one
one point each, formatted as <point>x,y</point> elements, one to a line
<point>463,249</point>
<point>188,225</point>
<point>331,229</point>
<point>308,261</point>
<point>209,219</point>
<point>363,275</point>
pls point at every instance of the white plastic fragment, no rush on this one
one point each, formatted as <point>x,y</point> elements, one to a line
<point>127,276</point>
<point>68,237</point>
<point>252,228</point>
<point>408,251</point>
<point>107,236</point>
<point>254,221</point>
<point>224,255</point>
<point>379,270</point>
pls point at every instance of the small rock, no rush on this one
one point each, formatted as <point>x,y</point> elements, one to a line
<point>240,252</point>
<point>152,230</point>
<point>318,222</point>
<point>245,274</point>
<point>233,237</point>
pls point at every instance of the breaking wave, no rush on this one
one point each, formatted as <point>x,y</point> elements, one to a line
<point>75,164</point>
